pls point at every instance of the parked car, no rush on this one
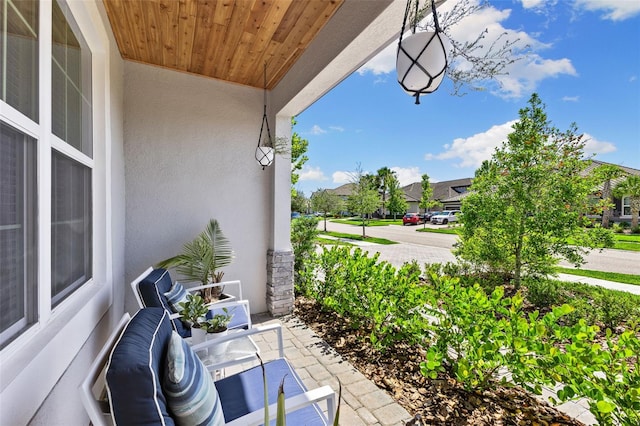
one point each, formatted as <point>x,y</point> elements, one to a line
<point>411,218</point>
<point>295,215</point>
<point>428,215</point>
<point>445,217</point>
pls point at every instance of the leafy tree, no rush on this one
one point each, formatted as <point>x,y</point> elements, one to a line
<point>299,202</point>
<point>325,202</point>
<point>397,202</point>
<point>385,176</point>
<point>364,198</point>
<point>631,188</point>
<point>427,192</point>
<point>606,172</point>
<point>298,158</point>
<point>526,203</point>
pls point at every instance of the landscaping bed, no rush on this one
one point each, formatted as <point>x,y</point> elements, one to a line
<point>442,401</point>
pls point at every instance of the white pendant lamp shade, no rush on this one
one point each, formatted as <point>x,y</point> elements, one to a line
<point>421,62</point>
<point>265,155</point>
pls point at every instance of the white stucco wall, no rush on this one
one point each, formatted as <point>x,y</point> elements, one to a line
<point>189,150</point>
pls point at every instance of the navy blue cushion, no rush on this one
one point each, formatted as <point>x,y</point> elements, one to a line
<point>242,393</point>
<point>134,370</point>
<point>239,317</point>
<point>152,289</point>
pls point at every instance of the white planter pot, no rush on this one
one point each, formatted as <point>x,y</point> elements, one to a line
<point>198,335</point>
<point>216,350</point>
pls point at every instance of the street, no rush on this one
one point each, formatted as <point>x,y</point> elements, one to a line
<point>428,247</point>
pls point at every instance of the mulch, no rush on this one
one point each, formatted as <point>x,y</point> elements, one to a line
<point>434,402</point>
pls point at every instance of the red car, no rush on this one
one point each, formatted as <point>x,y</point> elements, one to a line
<point>411,218</point>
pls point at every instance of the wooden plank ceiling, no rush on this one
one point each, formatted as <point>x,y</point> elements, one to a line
<point>224,39</point>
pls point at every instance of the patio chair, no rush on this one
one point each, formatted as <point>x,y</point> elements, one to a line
<point>133,381</point>
<point>150,289</point>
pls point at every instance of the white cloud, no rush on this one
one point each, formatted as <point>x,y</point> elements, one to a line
<point>407,175</point>
<point>522,77</point>
<point>342,177</point>
<point>594,146</point>
<point>383,63</point>
<point>336,128</point>
<point>615,10</point>
<point>317,130</point>
<point>532,4</point>
<point>571,98</point>
<point>312,173</point>
<point>472,151</point>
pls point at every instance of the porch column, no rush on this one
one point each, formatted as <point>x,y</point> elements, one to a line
<point>280,254</point>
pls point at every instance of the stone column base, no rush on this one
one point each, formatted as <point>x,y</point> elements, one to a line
<point>280,282</point>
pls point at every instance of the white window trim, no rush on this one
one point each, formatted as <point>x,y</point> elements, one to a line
<point>622,206</point>
<point>42,346</point>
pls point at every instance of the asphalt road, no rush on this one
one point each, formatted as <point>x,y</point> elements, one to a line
<point>428,247</point>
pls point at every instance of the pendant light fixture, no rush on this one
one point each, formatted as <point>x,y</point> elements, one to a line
<point>422,58</point>
<point>265,151</point>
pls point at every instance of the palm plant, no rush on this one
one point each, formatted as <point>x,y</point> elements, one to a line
<point>630,187</point>
<point>202,258</point>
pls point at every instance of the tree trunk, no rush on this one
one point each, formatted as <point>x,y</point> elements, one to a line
<point>606,196</point>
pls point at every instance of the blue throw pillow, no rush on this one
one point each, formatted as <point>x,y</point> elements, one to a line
<point>191,395</point>
<point>176,296</point>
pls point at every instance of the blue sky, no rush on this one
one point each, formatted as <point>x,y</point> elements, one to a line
<point>583,61</point>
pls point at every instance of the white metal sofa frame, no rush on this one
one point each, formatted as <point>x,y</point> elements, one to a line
<point>239,302</point>
<point>93,388</point>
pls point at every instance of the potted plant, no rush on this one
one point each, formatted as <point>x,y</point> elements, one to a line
<point>194,311</point>
<point>215,327</point>
<point>202,258</point>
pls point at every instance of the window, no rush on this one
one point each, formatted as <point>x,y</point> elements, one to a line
<point>70,178</point>
<point>626,206</point>
<point>24,279</point>
<point>18,241</point>
<point>71,81</point>
<point>70,226</point>
<point>19,53</point>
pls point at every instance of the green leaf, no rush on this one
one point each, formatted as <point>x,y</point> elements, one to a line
<point>605,407</point>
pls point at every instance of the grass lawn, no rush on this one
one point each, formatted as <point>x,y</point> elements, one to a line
<point>627,242</point>
<point>609,276</point>
<point>356,238</point>
<point>453,231</point>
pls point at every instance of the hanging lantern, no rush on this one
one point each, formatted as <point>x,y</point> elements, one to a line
<point>421,62</point>
<point>265,155</point>
<point>265,152</point>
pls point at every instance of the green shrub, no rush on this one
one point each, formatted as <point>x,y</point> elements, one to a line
<point>304,231</point>
<point>625,224</point>
<point>635,230</point>
<point>373,295</point>
<point>618,228</point>
<point>542,293</point>
<point>615,308</point>
<point>583,310</point>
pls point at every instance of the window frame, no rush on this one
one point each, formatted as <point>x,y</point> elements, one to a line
<point>625,203</point>
<point>46,143</point>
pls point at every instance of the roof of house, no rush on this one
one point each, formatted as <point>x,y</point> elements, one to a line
<point>343,190</point>
<point>441,190</point>
<point>597,163</point>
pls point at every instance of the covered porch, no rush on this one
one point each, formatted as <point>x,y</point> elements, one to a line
<point>176,100</point>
